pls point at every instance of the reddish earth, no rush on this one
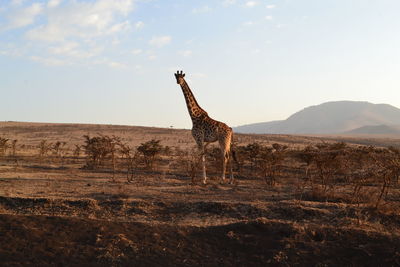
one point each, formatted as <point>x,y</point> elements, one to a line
<point>105,233</point>
<point>54,213</point>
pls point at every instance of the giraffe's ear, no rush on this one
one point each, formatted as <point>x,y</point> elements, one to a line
<point>183,75</point>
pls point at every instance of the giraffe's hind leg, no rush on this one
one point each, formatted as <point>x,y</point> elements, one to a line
<point>230,170</point>
<point>225,160</point>
<point>225,145</point>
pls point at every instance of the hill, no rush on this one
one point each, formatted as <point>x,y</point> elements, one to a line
<point>376,129</point>
<point>332,118</point>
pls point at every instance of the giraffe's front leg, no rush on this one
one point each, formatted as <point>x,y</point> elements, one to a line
<point>199,137</point>
<point>202,152</point>
<point>203,162</point>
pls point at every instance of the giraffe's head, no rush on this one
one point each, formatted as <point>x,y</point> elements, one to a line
<point>179,77</point>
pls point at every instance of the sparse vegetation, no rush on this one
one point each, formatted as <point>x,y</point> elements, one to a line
<point>3,145</point>
<point>44,148</point>
<point>309,194</point>
<point>98,148</point>
<point>150,150</point>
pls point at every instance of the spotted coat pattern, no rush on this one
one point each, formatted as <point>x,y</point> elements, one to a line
<point>205,130</point>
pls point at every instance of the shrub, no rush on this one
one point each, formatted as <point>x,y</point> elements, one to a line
<point>131,158</point>
<point>14,147</point>
<point>3,145</point>
<point>150,150</point>
<point>189,161</point>
<point>77,151</point>
<point>99,148</point>
<point>269,162</point>
<point>44,148</point>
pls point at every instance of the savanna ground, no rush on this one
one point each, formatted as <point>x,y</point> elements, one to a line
<point>296,200</point>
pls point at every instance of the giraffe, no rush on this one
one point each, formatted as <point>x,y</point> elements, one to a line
<point>206,130</point>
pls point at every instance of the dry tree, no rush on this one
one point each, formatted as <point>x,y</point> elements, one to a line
<point>14,147</point>
<point>306,156</point>
<point>77,151</point>
<point>44,148</point>
<point>388,163</point>
<point>213,155</point>
<point>252,152</point>
<point>3,145</point>
<point>239,155</point>
<point>131,157</point>
<point>59,150</point>
<point>324,164</point>
<point>98,149</point>
<point>190,161</point>
<point>150,150</point>
<point>360,165</point>
<point>269,162</point>
<point>57,146</point>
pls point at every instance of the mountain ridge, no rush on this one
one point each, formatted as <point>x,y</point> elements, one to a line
<point>334,117</point>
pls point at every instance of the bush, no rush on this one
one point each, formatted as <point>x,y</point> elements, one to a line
<point>150,150</point>
<point>269,162</point>
<point>44,148</point>
<point>99,148</point>
<point>131,159</point>
<point>3,145</point>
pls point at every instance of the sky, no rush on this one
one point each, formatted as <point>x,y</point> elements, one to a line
<point>112,62</point>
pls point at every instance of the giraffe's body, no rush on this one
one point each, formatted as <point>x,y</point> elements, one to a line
<point>206,130</point>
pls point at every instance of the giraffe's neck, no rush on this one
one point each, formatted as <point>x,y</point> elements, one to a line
<point>194,109</point>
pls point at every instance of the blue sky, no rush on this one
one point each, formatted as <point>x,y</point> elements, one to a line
<point>101,61</point>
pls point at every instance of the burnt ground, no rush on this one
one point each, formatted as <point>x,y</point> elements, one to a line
<point>192,230</point>
<point>55,213</point>
<point>51,240</point>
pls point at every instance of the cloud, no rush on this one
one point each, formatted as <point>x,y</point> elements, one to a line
<point>114,64</point>
<point>11,50</point>
<point>64,49</point>
<point>248,23</point>
<point>268,17</point>
<point>69,32</point>
<point>271,6</point>
<point>75,50</point>
<point>160,41</point>
<point>137,51</point>
<point>53,3</point>
<point>139,25</point>
<point>110,63</point>
<point>251,4</point>
<point>204,9</point>
<point>116,41</point>
<point>228,2</point>
<point>17,2</point>
<point>185,53</point>
<point>82,20</point>
<point>24,16</point>
<point>123,26</point>
<point>199,75</point>
<point>49,61</point>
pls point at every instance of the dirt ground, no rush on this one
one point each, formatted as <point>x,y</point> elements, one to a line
<point>65,215</point>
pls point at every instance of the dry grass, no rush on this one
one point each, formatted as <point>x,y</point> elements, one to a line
<point>55,212</point>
